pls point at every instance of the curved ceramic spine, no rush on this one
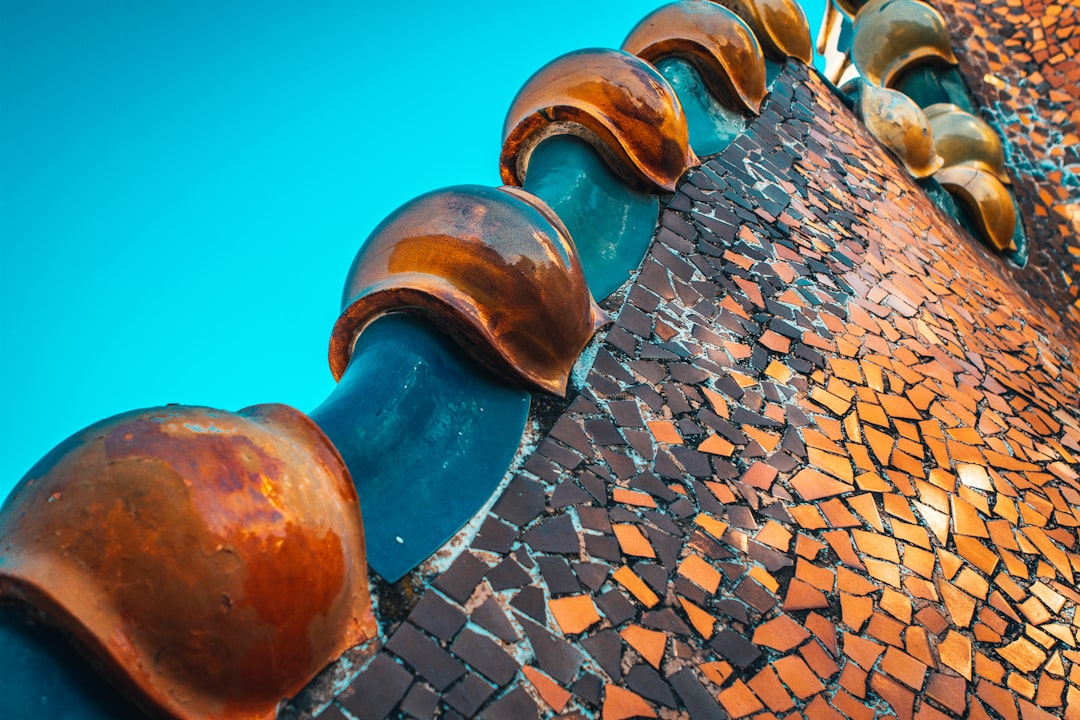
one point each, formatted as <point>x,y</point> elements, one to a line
<point>988,201</point>
<point>964,139</point>
<point>892,36</point>
<point>213,562</point>
<point>780,26</point>
<point>719,44</point>
<point>614,100</point>
<point>901,126</point>
<point>493,268</point>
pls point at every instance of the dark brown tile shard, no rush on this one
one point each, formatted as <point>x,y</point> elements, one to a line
<point>565,457</point>
<point>515,705</point>
<point>733,609</point>
<point>572,433</point>
<point>437,616</point>
<point>468,695</point>
<point>667,548</point>
<point>558,577</point>
<point>567,494</point>
<point>606,648</point>
<point>698,701</point>
<point>648,482</point>
<point>595,486</point>
<point>655,576</point>
<point>522,501</point>
<point>603,432</point>
<point>530,600</point>
<point>555,535</point>
<point>594,518</point>
<point>421,702</point>
<point>485,655</point>
<point>589,688</point>
<point>554,655</point>
<point>507,574</point>
<point>333,712</point>
<point>665,620</point>
<point>378,690</point>
<point>543,468</point>
<point>461,579</point>
<point>603,547</point>
<point>592,574</point>
<point>645,681</point>
<point>427,658</point>
<point>495,536</point>
<point>735,648</point>
<point>490,616</point>
<point>615,607</point>
<point>755,596</point>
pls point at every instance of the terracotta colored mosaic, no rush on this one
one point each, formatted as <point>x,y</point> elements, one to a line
<point>824,466</point>
<point>1021,60</point>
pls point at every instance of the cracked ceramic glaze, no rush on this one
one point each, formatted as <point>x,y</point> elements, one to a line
<point>720,46</point>
<point>986,199</point>
<point>964,139</point>
<point>902,127</point>
<point>893,36</point>
<point>617,102</point>
<point>212,561</point>
<point>780,26</point>
<point>492,267</point>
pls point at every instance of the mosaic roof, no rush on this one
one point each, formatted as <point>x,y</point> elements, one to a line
<point>821,460</point>
<point>825,462</point>
<point>1020,61</point>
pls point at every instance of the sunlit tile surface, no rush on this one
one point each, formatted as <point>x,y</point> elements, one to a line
<point>825,463</point>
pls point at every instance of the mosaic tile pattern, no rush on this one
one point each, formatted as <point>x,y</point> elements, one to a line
<point>824,466</point>
<point>1021,60</point>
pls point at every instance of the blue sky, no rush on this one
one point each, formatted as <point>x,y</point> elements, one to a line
<point>183,185</point>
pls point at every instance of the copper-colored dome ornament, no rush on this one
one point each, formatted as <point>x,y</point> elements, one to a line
<point>986,199</point>
<point>900,125</point>
<point>893,36</point>
<point>964,139</point>
<point>720,46</point>
<point>780,26</point>
<point>495,268</point>
<point>615,101</point>
<point>212,563</point>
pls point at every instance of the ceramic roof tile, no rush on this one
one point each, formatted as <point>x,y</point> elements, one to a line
<point>853,376</point>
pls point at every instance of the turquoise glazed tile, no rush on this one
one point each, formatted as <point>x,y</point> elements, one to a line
<point>41,677</point>
<point>427,434</point>
<point>712,126</point>
<point>610,223</point>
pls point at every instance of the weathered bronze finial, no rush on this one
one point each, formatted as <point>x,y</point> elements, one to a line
<point>986,199</point>
<point>780,26</point>
<point>964,139</point>
<point>614,100</point>
<point>212,562</point>
<point>494,268</point>
<point>892,36</point>
<point>900,125</point>
<point>720,46</point>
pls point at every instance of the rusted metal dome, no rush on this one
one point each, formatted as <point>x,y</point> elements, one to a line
<point>212,563</point>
